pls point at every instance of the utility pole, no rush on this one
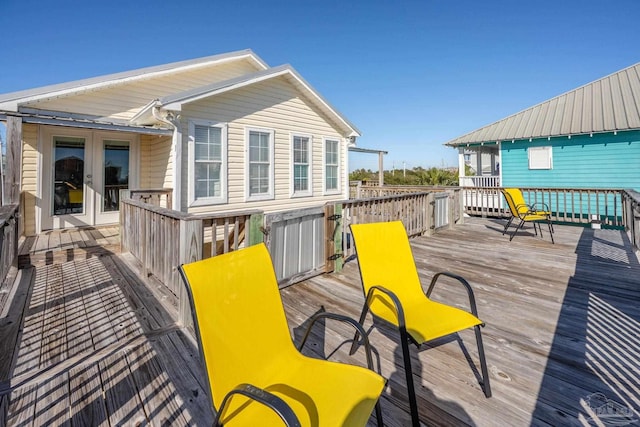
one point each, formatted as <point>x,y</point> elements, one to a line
<point>404,169</point>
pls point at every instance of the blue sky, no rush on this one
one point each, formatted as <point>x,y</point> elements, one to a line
<point>410,75</point>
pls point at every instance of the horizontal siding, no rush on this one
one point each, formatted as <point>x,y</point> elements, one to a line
<point>29,176</point>
<point>273,104</point>
<point>125,100</point>
<point>156,162</point>
<point>601,161</point>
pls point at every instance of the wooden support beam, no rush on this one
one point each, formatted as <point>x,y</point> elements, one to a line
<point>381,168</point>
<point>256,222</point>
<point>13,173</point>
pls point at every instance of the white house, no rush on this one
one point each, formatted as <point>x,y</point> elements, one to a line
<point>225,132</point>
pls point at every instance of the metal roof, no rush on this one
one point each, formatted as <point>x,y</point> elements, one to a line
<point>96,82</point>
<point>609,104</point>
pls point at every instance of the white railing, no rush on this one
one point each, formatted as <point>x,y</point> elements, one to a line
<point>480,181</point>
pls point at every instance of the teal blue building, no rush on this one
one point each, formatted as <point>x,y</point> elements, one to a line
<point>585,138</point>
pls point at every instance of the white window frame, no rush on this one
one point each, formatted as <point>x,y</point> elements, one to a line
<point>338,189</point>
<point>205,201</point>
<point>309,191</point>
<point>540,157</point>
<point>270,194</point>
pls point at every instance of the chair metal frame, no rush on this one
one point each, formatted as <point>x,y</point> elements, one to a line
<point>260,395</point>
<point>406,338</point>
<point>526,213</point>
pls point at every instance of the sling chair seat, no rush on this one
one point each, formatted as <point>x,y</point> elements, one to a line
<point>256,376</point>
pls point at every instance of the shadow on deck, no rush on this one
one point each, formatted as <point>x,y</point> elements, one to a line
<point>86,342</point>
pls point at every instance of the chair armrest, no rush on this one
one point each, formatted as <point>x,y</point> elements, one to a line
<point>394,299</point>
<point>463,281</point>
<point>357,326</point>
<point>270,400</point>
<point>545,207</point>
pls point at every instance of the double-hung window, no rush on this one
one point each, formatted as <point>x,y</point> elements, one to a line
<point>301,165</point>
<point>207,158</point>
<point>331,166</point>
<point>259,164</point>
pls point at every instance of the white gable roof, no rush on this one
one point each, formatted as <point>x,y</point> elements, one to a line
<point>175,102</point>
<point>142,115</point>
<point>11,101</point>
<point>609,104</point>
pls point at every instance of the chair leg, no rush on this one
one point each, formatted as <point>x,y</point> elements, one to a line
<point>408,371</point>
<point>354,347</point>
<point>551,231</point>
<point>356,336</point>
<point>506,227</point>
<point>516,230</point>
<point>379,413</point>
<point>486,386</point>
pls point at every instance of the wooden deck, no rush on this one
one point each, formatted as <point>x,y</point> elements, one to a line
<point>86,342</point>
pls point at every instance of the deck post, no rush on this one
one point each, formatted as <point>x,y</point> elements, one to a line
<point>429,213</point>
<point>328,238</point>
<point>13,173</point>
<point>337,238</point>
<point>256,222</point>
<point>189,250</point>
<point>451,201</point>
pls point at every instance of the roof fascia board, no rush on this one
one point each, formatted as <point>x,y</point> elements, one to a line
<point>354,131</point>
<point>538,138</point>
<point>142,117</point>
<point>7,101</point>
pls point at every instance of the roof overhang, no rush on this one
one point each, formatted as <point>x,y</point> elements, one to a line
<point>55,118</point>
<point>176,101</point>
<point>12,101</point>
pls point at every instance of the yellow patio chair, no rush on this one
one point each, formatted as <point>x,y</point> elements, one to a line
<point>535,213</point>
<point>394,294</point>
<point>257,377</point>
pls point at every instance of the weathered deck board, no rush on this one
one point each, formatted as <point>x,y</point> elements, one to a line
<point>98,348</point>
<point>538,300</point>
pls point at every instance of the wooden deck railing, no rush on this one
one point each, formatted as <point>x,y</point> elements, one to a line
<point>567,205</point>
<point>422,213</point>
<point>631,214</point>
<point>8,238</point>
<point>361,191</point>
<point>153,196</point>
<point>162,239</point>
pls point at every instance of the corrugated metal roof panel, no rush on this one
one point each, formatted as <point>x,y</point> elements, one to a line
<point>577,114</point>
<point>609,121</point>
<point>634,89</point>
<point>608,104</point>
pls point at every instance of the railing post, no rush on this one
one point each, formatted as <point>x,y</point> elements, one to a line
<point>460,202</point>
<point>191,234</point>
<point>451,209</point>
<point>429,213</point>
<point>337,238</point>
<point>329,246</point>
<point>256,223</point>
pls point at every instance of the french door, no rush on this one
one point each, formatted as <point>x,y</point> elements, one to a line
<point>82,175</point>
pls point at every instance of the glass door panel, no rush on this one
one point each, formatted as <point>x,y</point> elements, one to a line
<point>116,173</point>
<point>68,176</point>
